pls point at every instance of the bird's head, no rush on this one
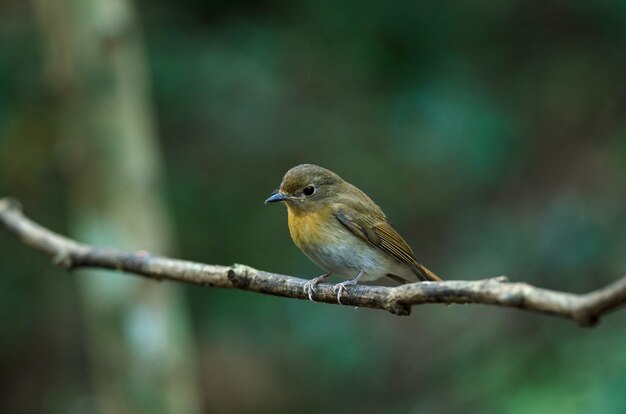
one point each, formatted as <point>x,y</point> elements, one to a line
<point>307,188</point>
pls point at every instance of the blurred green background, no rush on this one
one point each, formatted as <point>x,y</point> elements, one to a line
<point>493,134</point>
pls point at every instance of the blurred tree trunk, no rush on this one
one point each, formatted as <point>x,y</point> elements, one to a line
<point>138,331</point>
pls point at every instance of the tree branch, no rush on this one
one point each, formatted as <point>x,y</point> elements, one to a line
<point>585,309</point>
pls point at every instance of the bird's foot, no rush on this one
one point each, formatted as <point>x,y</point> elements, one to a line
<point>339,288</point>
<point>309,287</point>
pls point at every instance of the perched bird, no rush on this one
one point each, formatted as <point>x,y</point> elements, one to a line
<point>343,231</point>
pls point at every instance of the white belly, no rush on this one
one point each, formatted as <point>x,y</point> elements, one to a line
<point>347,259</point>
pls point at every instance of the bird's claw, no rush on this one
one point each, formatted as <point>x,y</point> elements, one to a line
<point>309,286</point>
<point>309,289</point>
<point>339,288</point>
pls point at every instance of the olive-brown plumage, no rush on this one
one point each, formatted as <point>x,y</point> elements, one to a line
<point>342,230</point>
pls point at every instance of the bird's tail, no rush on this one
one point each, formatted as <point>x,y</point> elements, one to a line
<point>423,273</point>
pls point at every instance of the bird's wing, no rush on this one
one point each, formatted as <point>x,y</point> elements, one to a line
<point>381,234</point>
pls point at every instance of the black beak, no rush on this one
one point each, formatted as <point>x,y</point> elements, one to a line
<point>277,196</point>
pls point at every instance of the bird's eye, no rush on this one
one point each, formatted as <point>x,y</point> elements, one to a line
<point>308,190</point>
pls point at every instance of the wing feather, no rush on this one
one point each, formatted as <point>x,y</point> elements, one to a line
<point>381,234</point>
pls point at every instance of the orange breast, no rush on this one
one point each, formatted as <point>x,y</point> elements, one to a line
<point>308,229</point>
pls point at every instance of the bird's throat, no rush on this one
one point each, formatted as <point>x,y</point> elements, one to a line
<point>308,228</point>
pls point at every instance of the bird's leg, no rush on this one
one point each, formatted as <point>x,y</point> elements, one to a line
<point>309,287</point>
<point>340,287</point>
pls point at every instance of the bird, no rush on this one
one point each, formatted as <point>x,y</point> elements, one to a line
<point>343,231</point>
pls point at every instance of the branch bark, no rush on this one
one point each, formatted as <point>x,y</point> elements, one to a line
<point>585,309</point>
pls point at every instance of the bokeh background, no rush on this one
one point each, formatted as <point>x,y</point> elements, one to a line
<point>493,134</point>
